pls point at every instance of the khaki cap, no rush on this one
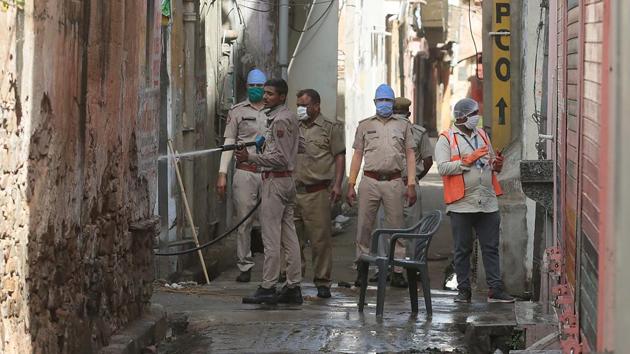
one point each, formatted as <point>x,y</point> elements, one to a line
<point>402,104</point>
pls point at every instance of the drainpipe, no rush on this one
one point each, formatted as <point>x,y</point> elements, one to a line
<point>188,118</point>
<point>283,40</point>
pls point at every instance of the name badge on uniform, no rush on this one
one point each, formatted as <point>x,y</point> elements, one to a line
<point>371,131</point>
<point>249,118</point>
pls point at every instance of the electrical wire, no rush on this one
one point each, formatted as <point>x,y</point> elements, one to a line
<point>536,115</point>
<point>219,238</point>
<point>472,35</point>
<point>316,21</point>
<point>240,15</point>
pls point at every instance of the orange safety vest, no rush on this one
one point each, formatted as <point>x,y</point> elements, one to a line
<point>454,186</point>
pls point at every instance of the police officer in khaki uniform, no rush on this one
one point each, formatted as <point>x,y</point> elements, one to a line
<point>423,150</point>
<point>385,143</point>
<point>277,163</point>
<point>319,174</point>
<point>245,121</point>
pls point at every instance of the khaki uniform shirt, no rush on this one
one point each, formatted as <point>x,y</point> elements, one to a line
<point>479,196</point>
<point>244,123</point>
<point>384,143</point>
<point>421,147</point>
<point>281,141</point>
<point>323,140</point>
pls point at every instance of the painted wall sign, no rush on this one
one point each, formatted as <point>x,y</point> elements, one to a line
<point>501,74</point>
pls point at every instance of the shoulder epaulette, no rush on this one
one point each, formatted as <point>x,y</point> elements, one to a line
<point>419,128</point>
<point>240,104</point>
<point>366,119</point>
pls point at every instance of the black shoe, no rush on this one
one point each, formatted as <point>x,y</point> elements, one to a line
<point>290,295</point>
<point>463,295</point>
<point>262,296</point>
<point>244,277</point>
<point>323,292</point>
<point>495,295</point>
<point>374,278</point>
<point>398,281</point>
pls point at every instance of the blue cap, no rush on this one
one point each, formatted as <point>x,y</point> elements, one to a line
<point>256,77</point>
<point>384,91</point>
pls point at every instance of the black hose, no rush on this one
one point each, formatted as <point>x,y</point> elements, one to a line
<point>219,238</point>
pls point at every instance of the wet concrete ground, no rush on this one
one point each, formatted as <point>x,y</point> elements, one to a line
<point>220,323</point>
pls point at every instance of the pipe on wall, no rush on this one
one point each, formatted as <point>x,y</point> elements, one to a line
<point>283,38</point>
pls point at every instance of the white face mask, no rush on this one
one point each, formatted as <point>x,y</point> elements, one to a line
<point>301,113</point>
<point>471,122</point>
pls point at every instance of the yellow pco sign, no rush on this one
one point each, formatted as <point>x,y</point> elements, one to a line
<point>501,74</point>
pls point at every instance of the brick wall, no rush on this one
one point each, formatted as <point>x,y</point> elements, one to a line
<point>78,117</point>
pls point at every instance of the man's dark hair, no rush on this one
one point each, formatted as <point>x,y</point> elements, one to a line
<point>279,84</point>
<point>314,95</point>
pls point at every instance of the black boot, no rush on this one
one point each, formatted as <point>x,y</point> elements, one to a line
<point>245,276</point>
<point>323,292</point>
<point>290,295</point>
<point>262,296</point>
<point>498,295</point>
<point>463,295</point>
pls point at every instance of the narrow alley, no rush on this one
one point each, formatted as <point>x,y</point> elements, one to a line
<point>218,176</point>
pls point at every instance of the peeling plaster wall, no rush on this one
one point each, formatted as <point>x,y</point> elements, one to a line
<point>14,211</point>
<point>78,120</point>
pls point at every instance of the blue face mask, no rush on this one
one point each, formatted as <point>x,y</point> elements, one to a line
<point>384,109</point>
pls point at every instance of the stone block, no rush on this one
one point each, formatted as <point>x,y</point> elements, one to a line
<point>115,349</point>
<point>512,248</point>
<point>146,331</point>
<point>537,181</point>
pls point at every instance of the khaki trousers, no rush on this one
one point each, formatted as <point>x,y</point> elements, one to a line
<point>245,190</point>
<point>372,194</point>
<point>278,231</point>
<point>312,221</point>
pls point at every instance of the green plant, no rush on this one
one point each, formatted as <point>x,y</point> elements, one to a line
<point>518,339</point>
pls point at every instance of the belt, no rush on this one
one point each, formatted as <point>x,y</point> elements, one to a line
<point>247,167</point>
<point>382,176</point>
<point>312,188</point>
<point>267,174</point>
